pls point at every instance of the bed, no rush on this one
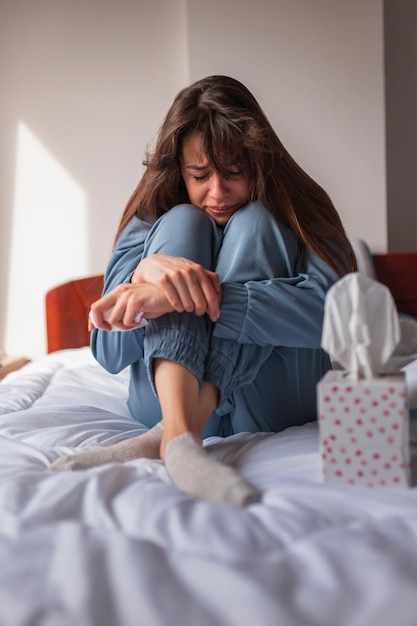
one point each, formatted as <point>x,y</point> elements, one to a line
<point>118,545</point>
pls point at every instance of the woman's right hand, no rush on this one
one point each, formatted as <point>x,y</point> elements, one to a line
<point>187,285</point>
<point>120,306</point>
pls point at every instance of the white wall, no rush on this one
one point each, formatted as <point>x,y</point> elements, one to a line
<point>86,83</point>
<point>316,67</point>
<point>84,87</point>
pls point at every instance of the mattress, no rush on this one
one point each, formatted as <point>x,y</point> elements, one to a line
<point>118,545</point>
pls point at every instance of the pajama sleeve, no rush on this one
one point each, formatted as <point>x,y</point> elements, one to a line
<point>116,350</point>
<point>281,311</point>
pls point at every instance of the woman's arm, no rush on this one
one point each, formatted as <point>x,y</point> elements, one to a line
<point>281,311</point>
<point>156,285</point>
<point>115,351</point>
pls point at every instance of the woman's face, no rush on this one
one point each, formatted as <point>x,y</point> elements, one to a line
<point>207,189</point>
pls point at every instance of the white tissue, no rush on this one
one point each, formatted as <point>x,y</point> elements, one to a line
<point>361,327</point>
<point>139,320</point>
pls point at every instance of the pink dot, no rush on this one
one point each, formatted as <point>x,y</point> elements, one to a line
<point>359,421</point>
<point>338,422</point>
<point>358,452</point>
<point>387,466</point>
<point>369,433</point>
<point>335,388</point>
<point>375,403</point>
<point>333,437</point>
<point>349,389</point>
<point>373,420</point>
<point>357,400</point>
<point>385,397</point>
<point>347,409</point>
<point>348,461</point>
<point>395,426</point>
<point>376,456</point>
<point>360,473</point>
<point>327,399</point>
<point>339,473</point>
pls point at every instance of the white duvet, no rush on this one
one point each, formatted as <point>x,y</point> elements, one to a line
<point>120,546</point>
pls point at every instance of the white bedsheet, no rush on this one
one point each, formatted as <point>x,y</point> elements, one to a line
<point>119,546</point>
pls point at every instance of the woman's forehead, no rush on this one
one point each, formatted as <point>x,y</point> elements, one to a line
<point>194,150</point>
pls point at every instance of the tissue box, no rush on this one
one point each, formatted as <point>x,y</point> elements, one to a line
<point>364,430</point>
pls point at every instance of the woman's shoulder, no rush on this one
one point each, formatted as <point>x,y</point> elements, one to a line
<point>135,231</point>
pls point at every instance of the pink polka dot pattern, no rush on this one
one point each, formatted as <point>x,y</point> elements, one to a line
<point>364,430</point>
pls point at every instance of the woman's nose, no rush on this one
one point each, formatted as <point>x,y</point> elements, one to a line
<point>218,188</point>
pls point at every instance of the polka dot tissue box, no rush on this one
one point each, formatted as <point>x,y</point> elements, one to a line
<point>364,430</point>
<point>363,414</point>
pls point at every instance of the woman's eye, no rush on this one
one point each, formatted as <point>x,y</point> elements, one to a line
<point>200,179</point>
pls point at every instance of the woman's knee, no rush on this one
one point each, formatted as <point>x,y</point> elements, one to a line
<point>185,231</point>
<point>256,246</point>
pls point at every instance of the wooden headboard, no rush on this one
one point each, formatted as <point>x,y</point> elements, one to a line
<point>68,305</point>
<point>398,271</point>
<point>67,309</point>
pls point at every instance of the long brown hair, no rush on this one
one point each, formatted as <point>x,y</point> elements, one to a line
<point>235,131</point>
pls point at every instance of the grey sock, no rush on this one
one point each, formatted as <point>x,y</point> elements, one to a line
<point>193,471</point>
<point>143,446</point>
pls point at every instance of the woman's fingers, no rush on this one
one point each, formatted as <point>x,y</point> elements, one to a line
<point>188,286</point>
<point>180,285</point>
<point>120,307</point>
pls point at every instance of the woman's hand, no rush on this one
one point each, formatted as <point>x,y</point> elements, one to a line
<point>186,285</point>
<point>124,302</point>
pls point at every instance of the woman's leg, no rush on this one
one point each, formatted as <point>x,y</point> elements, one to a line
<point>176,347</point>
<point>279,392</point>
<point>185,409</point>
<point>255,247</point>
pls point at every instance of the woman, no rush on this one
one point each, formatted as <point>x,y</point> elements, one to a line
<point>228,248</point>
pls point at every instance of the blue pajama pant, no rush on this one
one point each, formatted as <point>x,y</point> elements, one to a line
<point>261,388</point>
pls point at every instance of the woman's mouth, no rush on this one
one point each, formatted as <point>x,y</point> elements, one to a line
<point>221,210</point>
